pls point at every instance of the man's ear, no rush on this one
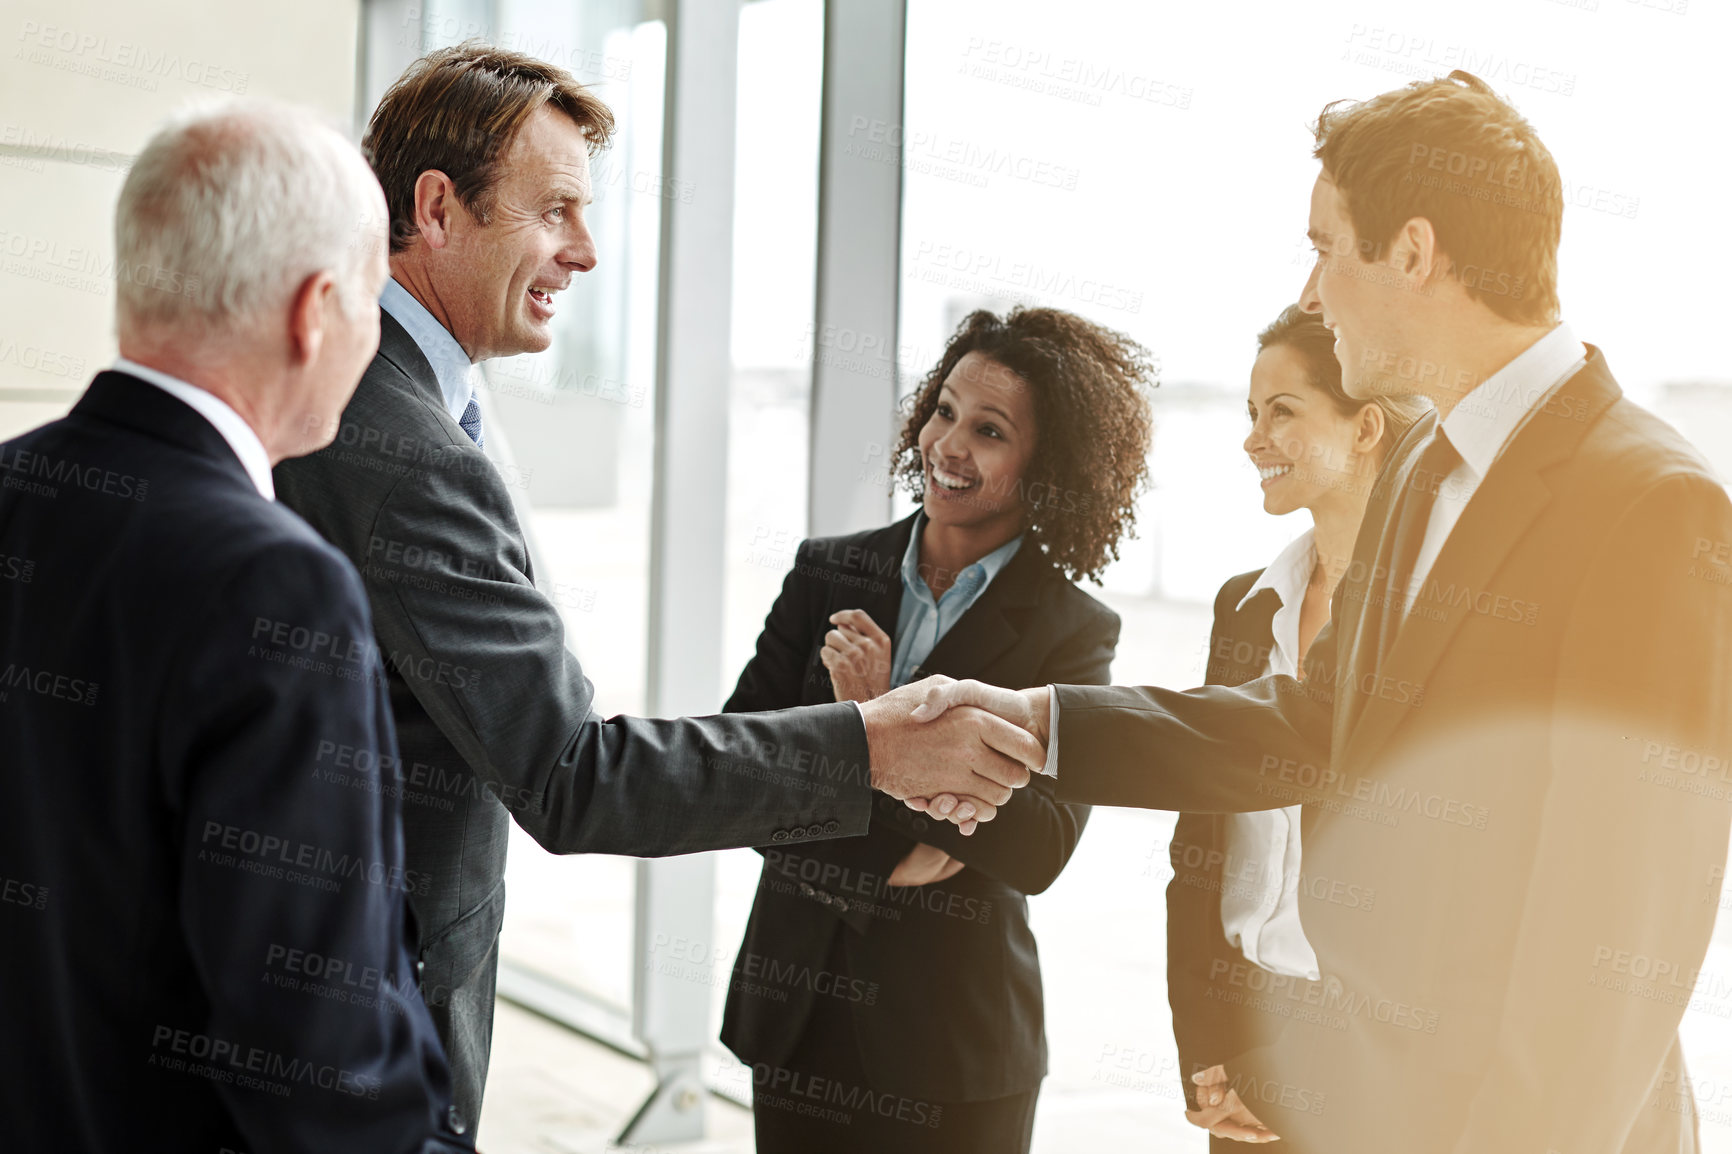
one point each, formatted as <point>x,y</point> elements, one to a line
<point>1415,252</point>
<point>1368,429</point>
<point>307,316</point>
<point>435,200</point>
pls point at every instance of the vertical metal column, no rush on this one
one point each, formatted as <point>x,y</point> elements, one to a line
<point>675,897</point>
<point>859,258</point>
<point>390,41</point>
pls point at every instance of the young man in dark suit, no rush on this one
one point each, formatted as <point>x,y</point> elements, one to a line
<point>484,157</point>
<point>1529,644</point>
<point>206,944</point>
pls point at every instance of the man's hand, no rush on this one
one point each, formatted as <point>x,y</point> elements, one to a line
<point>1027,708</point>
<point>1222,1114</point>
<point>857,654</point>
<point>967,752</point>
<point>923,866</point>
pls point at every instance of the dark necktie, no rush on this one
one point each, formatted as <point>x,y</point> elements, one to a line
<point>1418,498</point>
<point>471,420</point>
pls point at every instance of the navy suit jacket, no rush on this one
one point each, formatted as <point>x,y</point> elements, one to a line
<point>201,856</point>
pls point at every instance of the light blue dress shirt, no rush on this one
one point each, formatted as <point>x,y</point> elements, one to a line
<point>450,363</point>
<point>923,621</point>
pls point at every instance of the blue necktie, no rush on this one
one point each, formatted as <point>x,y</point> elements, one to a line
<point>471,420</point>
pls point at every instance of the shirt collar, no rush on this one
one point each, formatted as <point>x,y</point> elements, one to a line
<point>1483,422</point>
<point>450,363</point>
<point>230,424</point>
<point>1289,573</point>
<point>987,567</point>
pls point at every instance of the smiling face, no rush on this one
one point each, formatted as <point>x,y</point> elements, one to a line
<point>976,447</point>
<point>1364,303</point>
<point>499,278</point>
<point>1306,452</point>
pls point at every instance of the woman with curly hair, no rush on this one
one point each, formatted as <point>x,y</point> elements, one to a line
<point>887,994</point>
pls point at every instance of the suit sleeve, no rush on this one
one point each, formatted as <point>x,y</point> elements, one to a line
<point>842,868</point>
<point>1619,898</point>
<point>1032,837</point>
<point>1214,749</point>
<point>284,859</point>
<point>483,650</point>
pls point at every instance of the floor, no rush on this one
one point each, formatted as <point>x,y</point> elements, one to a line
<point>555,1092</point>
<point>551,1091</point>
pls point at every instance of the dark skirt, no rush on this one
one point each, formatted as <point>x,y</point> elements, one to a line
<point>821,1101</point>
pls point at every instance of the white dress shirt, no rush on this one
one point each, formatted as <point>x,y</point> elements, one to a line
<point>450,363</point>
<point>1485,421</point>
<point>226,421</point>
<point>1260,878</point>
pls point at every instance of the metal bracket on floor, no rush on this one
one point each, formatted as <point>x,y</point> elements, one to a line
<point>674,1111</point>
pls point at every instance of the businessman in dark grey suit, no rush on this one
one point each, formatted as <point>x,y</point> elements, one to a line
<point>1510,726</point>
<point>484,157</point>
<point>206,943</point>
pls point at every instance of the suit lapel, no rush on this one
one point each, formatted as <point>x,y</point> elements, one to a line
<point>1357,606</point>
<point>882,599</point>
<point>878,592</point>
<point>1507,502</point>
<point>993,624</point>
<point>400,349</point>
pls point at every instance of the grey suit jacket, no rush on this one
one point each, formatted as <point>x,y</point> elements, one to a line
<point>493,711</point>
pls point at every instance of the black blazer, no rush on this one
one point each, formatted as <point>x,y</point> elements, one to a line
<point>201,880</point>
<point>1501,777</point>
<point>493,711</point>
<point>962,945</point>
<point>1209,1030</point>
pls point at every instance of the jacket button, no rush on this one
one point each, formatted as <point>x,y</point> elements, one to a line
<point>779,835</point>
<point>454,1121</point>
<point>832,826</point>
<point>814,830</point>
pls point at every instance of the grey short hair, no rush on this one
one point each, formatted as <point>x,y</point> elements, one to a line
<point>230,207</point>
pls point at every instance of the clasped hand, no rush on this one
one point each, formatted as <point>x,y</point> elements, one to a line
<point>1220,1111</point>
<point>955,749</point>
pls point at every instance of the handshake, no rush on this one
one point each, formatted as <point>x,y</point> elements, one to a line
<point>955,749</point>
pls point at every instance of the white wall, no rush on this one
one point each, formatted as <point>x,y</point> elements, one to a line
<point>82,86</point>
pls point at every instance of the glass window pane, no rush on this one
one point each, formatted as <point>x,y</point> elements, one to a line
<point>579,419</point>
<point>775,239</point>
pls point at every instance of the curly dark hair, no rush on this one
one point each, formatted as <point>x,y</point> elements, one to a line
<point>1091,407</point>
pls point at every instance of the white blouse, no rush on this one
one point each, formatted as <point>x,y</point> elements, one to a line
<point>1260,879</point>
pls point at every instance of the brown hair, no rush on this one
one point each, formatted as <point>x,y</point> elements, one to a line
<point>1307,336</point>
<point>1454,152</point>
<point>458,110</point>
<point>1091,411</point>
